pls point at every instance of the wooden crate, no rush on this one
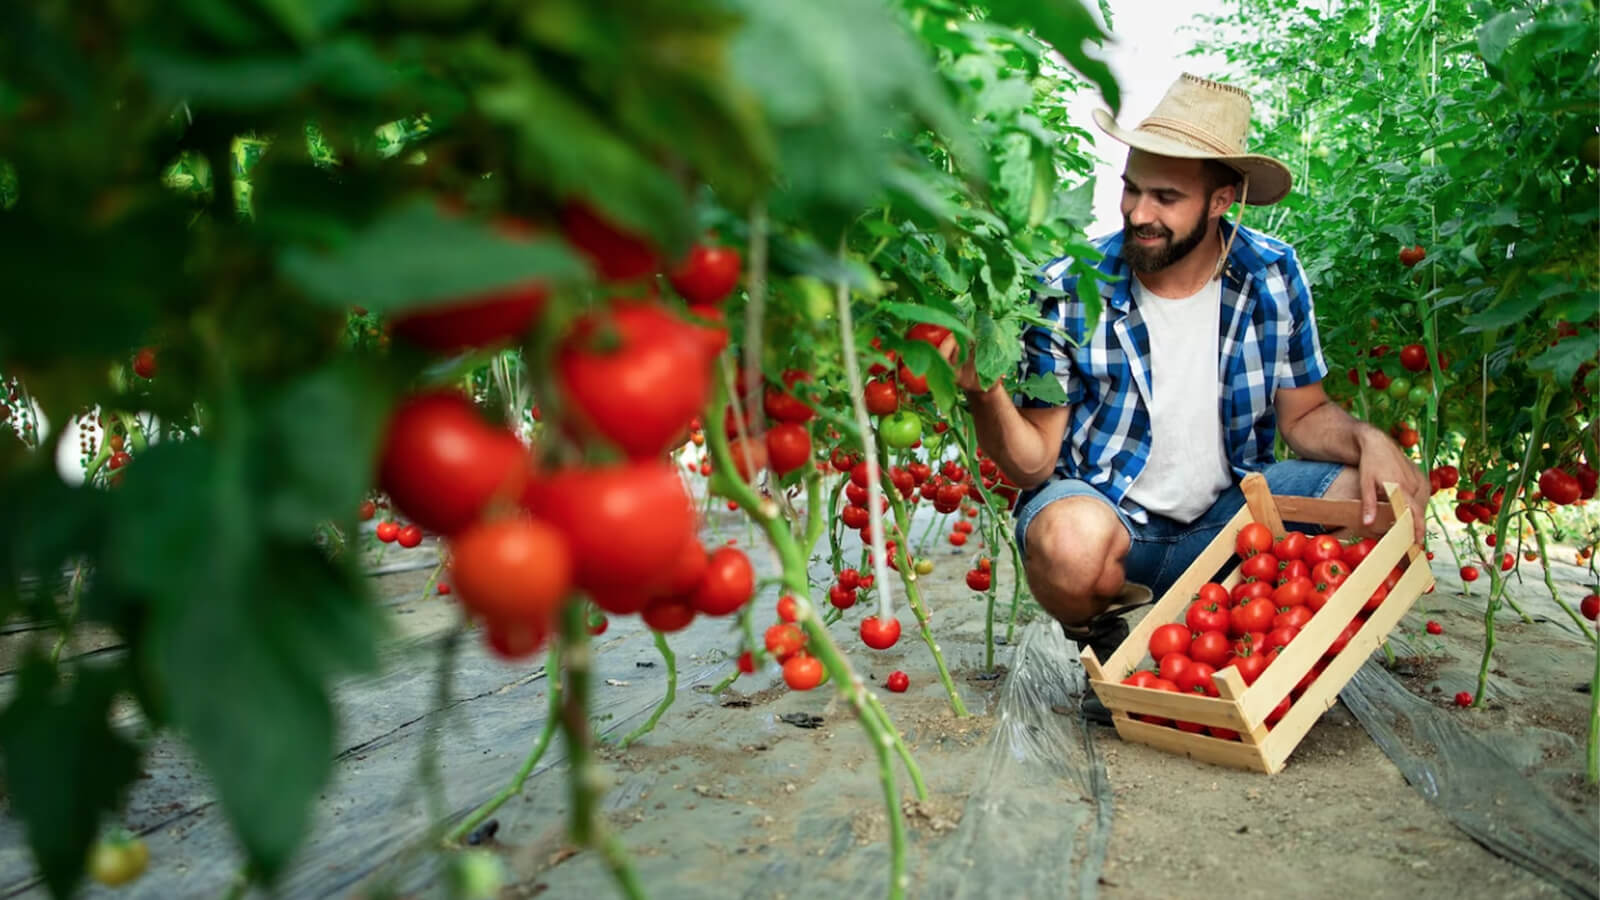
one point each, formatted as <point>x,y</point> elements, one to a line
<point>1244,708</point>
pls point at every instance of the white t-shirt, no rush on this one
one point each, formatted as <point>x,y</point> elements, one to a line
<point>1188,467</point>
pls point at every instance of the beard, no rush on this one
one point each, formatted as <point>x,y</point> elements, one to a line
<point>1154,259</point>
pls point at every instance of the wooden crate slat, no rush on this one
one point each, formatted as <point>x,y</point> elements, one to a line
<point>1304,651</point>
<point>1175,600</point>
<point>1169,705</point>
<point>1195,746</point>
<point>1259,500</point>
<point>1342,513</point>
<point>1324,692</point>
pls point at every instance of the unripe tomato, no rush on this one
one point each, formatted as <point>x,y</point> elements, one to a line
<point>901,430</point>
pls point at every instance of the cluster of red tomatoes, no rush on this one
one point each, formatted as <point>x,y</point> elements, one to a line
<point>632,374</point>
<point>1564,488</point>
<point>1284,585</point>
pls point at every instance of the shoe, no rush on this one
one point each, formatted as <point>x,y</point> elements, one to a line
<point>1093,710</point>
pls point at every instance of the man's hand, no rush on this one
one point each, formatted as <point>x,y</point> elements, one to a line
<point>1382,460</point>
<point>966,373</point>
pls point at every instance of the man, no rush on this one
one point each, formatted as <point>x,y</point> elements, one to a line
<point>1207,347</point>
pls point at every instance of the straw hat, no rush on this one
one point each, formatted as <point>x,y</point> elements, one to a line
<point>1204,119</point>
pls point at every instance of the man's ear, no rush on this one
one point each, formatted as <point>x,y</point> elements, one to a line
<point>1222,198</point>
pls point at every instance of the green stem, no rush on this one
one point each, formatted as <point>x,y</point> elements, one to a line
<point>1016,589</point>
<point>73,593</point>
<point>881,732</point>
<point>1594,721</point>
<point>1549,582</point>
<point>908,577</point>
<point>672,692</point>
<point>585,824</point>
<point>552,667</point>
<point>428,762</point>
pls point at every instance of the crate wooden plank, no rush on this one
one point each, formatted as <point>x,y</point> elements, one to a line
<point>1231,687</point>
<point>1169,705</point>
<point>1304,651</point>
<point>1258,498</point>
<point>1340,513</point>
<point>1324,692</point>
<point>1195,746</point>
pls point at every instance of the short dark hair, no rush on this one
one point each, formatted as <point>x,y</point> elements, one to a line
<point>1220,175</point>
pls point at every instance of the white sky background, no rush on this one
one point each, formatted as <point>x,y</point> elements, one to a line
<point>1149,40</point>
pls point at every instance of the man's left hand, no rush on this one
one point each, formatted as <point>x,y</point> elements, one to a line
<point>1382,460</point>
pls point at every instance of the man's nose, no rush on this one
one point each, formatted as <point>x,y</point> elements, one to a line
<point>1142,213</point>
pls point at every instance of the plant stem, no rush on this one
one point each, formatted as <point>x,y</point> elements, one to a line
<point>428,763</point>
<point>74,591</point>
<point>908,578</point>
<point>1016,589</point>
<point>1594,721</point>
<point>1549,582</point>
<point>552,667</point>
<point>672,691</point>
<point>585,824</point>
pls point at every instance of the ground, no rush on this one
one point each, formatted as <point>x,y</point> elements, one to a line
<point>727,799</point>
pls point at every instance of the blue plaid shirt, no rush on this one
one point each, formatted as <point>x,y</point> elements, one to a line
<point>1268,340</point>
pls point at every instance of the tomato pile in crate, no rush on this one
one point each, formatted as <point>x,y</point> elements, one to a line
<point>1237,670</point>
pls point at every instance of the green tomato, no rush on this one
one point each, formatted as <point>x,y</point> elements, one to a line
<point>476,875</point>
<point>901,429</point>
<point>1419,395</point>
<point>1399,387</point>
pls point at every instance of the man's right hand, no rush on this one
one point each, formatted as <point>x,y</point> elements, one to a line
<point>966,373</point>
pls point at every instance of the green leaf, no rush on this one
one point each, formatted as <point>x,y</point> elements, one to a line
<point>64,766</point>
<point>1512,311</point>
<point>941,314</point>
<point>998,347</point>
<point>1044,387</point>
<point>1564,359</point>
<point>1067,25</point>
<point>1498,34</point>
<point>922,359</point>
<point>348,68</point>
<point>320,436</point>
<point>414,256</point>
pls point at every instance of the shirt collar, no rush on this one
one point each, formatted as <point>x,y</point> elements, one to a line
<point>1250,254</point>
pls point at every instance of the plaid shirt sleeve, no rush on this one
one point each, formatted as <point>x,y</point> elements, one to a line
<point>1301,364</point>
<point>1045,351</point>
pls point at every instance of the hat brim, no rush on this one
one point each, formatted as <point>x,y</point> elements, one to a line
<point>1270,180</point>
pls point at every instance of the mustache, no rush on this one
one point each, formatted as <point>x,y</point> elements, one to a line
<point>1152,232</point>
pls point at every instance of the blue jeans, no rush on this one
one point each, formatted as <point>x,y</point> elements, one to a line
<point>1164,547</point>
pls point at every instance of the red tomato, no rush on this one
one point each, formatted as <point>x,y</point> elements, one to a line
<point>1292,569</point>
<point>1507,562</point>
<point>1205,617</point>
<point>1250,642</point>
<point>481,320</point>
<point>442,589</point>
<point>897,681</point>
<point>1292,593</point>
<point>1252,614</point>
<point>1330,572</point>
<point>388,531</point>
<point>1376,600</point>
<point>626,524</point>
<point>1293,617</point>
<point>1262,567</point>
<point>707,275</point>
<point>1292,546</point>
<point>1469,573</point>
<point>1210,647</point>
<point>1590,606</point>
<point>978,580</point>
<point>409,536</point>
<point>598,625</point>
<point>879,635</point>
<point>1250,666</point>
<point>514,640</point>
<point>144,363</point>
<point>1414,357</point>
<point>1167,639</point>
<point>842,597</point>
<point>1463,698</point>
<point>1141,678</point>
<point>784,640</point>
<point>615,254</point>
<point>749,456</point>
<point>880,398</point>
<point>442,464</point>
<point>802,672</point>
<point>1174,666</point>
<point>841,461</point>
<point>1345,636</point>
<point>788,448</point>
<point>1211,592</point>
<point>1279,637</point>
<point>1197,679</point>
<point>1318,598</point>
<point>667,614</point>
<point>1410,256</point>
<point>920,472</point>
<point>747,663</point>
<point>1253,538</point>
<point>367,511</point>
<point>855,517</point>
<point>849,579</point>
<point>786,405</point>
<point>932,334</point>
<point>1358,551</point>
<point>727,585</point>
<point>635,374</point>
<point>1250,587</point>
<point>1279,711</point>
<point>957,539</point>
<point>1323,547</point>
<point>515,569</point>
<point>915,385</point>
<point>1435,627</point>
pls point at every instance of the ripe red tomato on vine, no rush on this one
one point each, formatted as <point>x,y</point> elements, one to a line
<point>1410,256</point>
<point>707,275</point>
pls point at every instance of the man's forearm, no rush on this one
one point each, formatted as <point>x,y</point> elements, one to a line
<point>1329,434</point>
<point>1013,442</point>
